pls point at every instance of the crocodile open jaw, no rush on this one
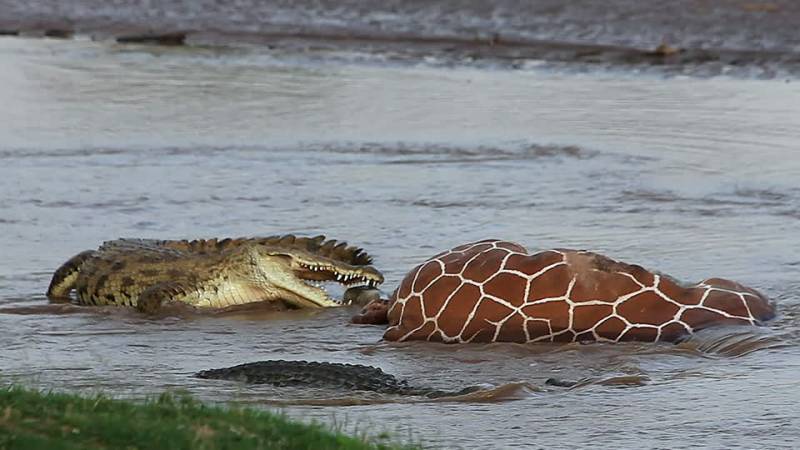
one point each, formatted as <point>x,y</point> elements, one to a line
<point>316,275</point>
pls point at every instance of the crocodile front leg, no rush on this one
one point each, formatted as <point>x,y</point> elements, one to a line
<point>152,299</point>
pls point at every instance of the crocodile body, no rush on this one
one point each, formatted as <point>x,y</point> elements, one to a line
<point>324,374</point>
<point>212,273</point>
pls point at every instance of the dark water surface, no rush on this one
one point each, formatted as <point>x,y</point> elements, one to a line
<point>693,177</point>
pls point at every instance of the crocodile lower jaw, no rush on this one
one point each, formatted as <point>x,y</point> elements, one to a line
<point>330,301</point>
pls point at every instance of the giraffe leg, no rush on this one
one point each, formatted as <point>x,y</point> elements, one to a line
<point>66,276</point>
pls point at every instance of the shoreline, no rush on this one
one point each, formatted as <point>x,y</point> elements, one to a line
<point>751,39</point>
<point>35,419</point>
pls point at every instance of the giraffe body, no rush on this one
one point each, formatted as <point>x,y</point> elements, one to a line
<point>494,291</point>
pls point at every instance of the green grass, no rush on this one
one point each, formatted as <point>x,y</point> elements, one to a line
<point>55,421</point>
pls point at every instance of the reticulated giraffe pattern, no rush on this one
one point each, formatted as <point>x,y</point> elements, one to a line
<point>493,291</point>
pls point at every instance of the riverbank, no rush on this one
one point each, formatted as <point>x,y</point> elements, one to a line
<point>746,39</point>
<point>34,420</point>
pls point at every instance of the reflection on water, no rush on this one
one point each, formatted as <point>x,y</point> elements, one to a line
<point>696,178</point>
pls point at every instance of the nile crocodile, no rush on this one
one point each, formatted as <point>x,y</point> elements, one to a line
<point>324,374</point>
<point>211,273</point>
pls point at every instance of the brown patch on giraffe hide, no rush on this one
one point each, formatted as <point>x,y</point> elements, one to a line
<point>726,301</point>
<point>436,294</point>
<point>584,262</point>
<point>531,264</point>
<point>647,308</point>
<point>698,318</point>
<point>642,334</point>
<point>491,310</point>
<point>552,283</point>
<point>478,334</point>
<point>565,336</point>
<point>751,291</point>
<point>513,246</point>
<point>427,273</point>
<point>399,311</point>
<point>507,286</point>
<point>672,331</point>
<point>404,290</point>
<point>457,310</point>
<point>590,268</point>
<point>556,311</point>
<point>686,296</point>
<point>433,335</point>
<point>395,333</point>
<point>587,316</point>
<point>610,328</point>
<point>587,262</point>
<point>483,267</point>
<point>454,262</point>
<point>760,307</point>
<point>513,329</point>
<point>585,336</point>
<point>723,284</point>
<point>537,328</point>
<point>644,276</point>
<point>601,286</point>
<point>487,310</point>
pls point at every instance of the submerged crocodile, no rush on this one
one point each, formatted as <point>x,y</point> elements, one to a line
<point>335,375</point>
<point>212,273</point>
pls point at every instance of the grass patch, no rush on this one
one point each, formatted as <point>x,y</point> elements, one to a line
<point>56,421</point>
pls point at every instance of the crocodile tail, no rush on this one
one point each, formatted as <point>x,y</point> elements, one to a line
<point>66,276</point>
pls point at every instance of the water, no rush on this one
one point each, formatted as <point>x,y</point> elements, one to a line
<point>695,177</point>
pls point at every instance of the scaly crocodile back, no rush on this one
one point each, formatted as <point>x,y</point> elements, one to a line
<point>323,374</point>
<point>318,245</point>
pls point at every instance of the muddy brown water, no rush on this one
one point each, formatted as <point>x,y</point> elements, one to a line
<point>695,177</point>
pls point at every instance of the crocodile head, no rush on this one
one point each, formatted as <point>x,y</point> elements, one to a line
<point>296,269</point>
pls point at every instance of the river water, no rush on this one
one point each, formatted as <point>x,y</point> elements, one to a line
<point>695,177</point>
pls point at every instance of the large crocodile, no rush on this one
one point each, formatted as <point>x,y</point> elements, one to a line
<point>211,273</point>
<point>324,374</point>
